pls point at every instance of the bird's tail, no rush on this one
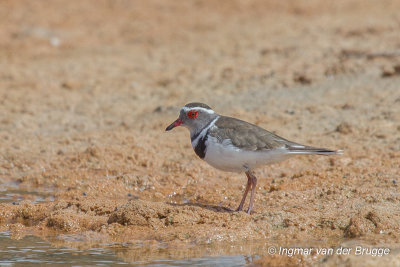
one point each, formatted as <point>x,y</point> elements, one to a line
<point>309,150</point>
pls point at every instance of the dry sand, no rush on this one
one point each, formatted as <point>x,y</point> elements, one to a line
<point>88,87</point>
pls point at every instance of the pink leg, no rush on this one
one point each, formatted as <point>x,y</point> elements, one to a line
<point>245,193</point>
<point>253,189</point>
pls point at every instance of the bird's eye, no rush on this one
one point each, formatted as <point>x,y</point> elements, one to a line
<point>193,114</point>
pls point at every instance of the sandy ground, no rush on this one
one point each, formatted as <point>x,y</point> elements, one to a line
<point>88,87</point>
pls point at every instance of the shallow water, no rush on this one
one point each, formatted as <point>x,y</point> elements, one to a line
<point>12,193</point>
<point>32,250</point>
<point>15,196</point>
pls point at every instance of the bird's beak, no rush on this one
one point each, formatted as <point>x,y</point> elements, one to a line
<point>174,124</point>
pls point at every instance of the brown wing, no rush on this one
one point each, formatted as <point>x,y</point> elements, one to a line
<point>246,135</point>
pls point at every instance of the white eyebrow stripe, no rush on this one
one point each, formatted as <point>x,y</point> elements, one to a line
<point>209,111</point>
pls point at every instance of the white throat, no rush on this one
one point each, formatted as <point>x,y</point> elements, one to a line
<point>203,132</point>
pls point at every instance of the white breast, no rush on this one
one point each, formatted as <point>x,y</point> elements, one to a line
<point>226,157</point>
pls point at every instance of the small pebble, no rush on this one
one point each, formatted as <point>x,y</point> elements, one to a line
<point>158,109</point>
<point>344,128</point>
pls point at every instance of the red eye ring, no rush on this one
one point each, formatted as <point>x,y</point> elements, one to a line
<point>192,114</point>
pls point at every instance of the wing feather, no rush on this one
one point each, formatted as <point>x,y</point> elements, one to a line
<point>247,136</point>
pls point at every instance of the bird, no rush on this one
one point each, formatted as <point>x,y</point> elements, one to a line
<point>234,145</point>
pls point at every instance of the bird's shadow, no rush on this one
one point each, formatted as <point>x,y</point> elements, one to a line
<point>203,206</point>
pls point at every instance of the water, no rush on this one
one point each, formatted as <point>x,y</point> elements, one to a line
<point>31,251</point>
<point>11,193</point>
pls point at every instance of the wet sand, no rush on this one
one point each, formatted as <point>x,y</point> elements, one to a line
<point>87,89</point>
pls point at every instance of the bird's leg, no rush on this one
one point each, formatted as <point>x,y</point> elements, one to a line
<point>245,193</point>
<point>253,189</point>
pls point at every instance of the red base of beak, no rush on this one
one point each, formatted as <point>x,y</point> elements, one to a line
<point>176,123</point>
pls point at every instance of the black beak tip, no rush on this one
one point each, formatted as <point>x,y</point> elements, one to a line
<point>173,125</point>
<point>170,127</point>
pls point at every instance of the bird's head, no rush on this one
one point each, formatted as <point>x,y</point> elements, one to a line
<point>194,116</point>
